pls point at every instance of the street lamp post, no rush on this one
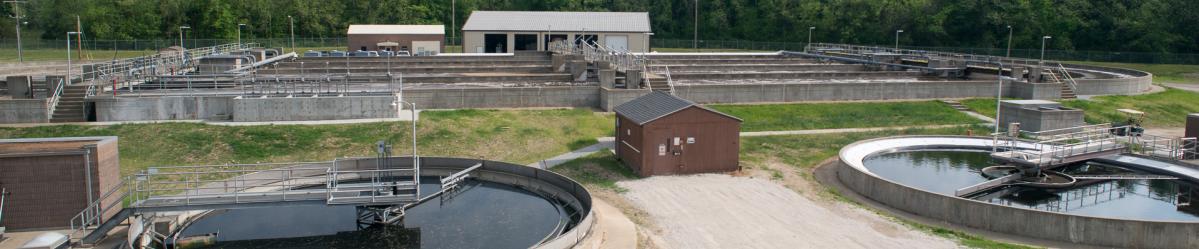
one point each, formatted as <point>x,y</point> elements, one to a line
<point>16,14</point>
<point>239,26</point>
<point>69,66</point>
<point>183,49</point>
<point>810,29</point>
<point>1009,42</point>
<point>291,23</point>
<point>695,32</point>
<point>998,99</point>
<point>897,40</point>
<point>1043,39</point>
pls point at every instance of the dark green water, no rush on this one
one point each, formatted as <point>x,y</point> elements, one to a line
<point>486,215</point>
<point>944,172</point>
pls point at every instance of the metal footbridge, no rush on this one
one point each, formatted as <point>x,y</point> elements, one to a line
<point>385,182</point>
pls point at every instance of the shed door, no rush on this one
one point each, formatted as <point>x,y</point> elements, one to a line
<point>617,42</point>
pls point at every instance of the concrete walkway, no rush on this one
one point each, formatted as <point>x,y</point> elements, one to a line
<point>605,143</point>
<point>612,230</point>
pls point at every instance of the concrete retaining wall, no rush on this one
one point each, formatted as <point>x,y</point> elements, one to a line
<point>747,93</point>
<point>309,108</point>
<point>504,97</point>
<point>1140,82</point>
<point>610,98</point>
<point>163,108</point>
<point>1025,90</point>
<point>1019,221</point>
<point>15,111</point>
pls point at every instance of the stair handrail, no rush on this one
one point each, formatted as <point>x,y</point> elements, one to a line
<point>1070,79</point>
<point>669,80</point>
<point>54,98</point>
<point>3,192</point>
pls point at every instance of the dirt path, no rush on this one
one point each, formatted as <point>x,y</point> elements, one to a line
<point>722,211</point>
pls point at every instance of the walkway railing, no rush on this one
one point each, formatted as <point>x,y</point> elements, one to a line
<point>1054,147</point>
<point>130,70</point>
<point>620,59</point>
<point>212,186</point>
<point>55,96</point>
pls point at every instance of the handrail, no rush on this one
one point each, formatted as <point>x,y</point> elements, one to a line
<point>620,59</point>
<point>669,80</point>
<point>1073,84</point>
<point>55,96</point>
<point>3,192</point>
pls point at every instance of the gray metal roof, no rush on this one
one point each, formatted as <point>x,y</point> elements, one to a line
<point>630,22</point>
<point>657,105</point>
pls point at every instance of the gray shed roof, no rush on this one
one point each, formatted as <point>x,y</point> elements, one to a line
<point>656,105</point>
<point>630,22</point>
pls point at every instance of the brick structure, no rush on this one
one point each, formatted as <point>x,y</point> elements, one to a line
<point>660,134</point>
<point>47,179</point>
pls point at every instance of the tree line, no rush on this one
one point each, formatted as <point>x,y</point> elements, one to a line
<point>1106,25</point>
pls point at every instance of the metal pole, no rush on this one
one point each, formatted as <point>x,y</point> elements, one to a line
<point>69,56</point>
<point>810,29</point>
<point>897,40</point>
<point>239,26</point>
<point>1043,39</point>
<point>17,15</point>
<point>695,39</point>
<point>1009,42</point>
<point>292,27</point>
<point>998,99</point>
<point>454,23</point>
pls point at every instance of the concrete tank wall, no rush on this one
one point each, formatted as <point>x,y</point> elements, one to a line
<point>15,111</point>
<point>748,93</point>
<point>1020,221</point>
<point>308,108</point>
<point>163,108</point>
<point>504,97</point>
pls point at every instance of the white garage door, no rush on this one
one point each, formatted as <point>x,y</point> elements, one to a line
<point>617,42</point>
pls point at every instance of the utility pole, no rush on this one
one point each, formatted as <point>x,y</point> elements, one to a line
<point>79,37</point>
<point>16,14</point>
<point>291,23</point>
<point>454,23</point>
<point>695,38</point>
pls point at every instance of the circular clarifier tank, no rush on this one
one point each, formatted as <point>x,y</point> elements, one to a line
<point>946,170</point>
<point>1110,201</point>
<point>505,206</point>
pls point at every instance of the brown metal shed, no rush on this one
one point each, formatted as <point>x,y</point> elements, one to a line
<point>660,134</point>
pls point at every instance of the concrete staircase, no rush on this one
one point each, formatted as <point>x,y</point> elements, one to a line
<point>70,105</point>
<point>1067,92</point>
<point>957,105</point>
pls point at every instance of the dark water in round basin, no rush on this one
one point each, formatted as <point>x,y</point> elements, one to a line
<point>485,215</point>
<point>944,171</point>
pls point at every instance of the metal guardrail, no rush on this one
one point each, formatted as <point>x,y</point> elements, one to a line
<point>1052,147</point>
<point>620,59</point>
<point>208,185</point>
<point>55,96</point>
<point>861,49</point>
<point>130,70</point>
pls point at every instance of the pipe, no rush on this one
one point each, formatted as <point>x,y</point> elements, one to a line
<point>87,169</point>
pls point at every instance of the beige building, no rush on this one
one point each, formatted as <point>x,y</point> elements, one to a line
<point>417,39</point>
<point>508,31</point>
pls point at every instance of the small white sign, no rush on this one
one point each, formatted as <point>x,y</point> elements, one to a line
<point>690,140</point>
<point>677,141</point>
<point>661,149</point>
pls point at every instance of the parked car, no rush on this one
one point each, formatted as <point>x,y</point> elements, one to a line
<point>312,53</point>
<point>364,53</point>
<point>335,53</point>
<point>387,53</point>
<point>403,53</point>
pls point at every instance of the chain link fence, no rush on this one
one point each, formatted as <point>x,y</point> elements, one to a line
<point>340,43</point>
<point>1061,55</point>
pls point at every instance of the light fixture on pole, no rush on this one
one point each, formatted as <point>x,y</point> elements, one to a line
<point>810,29</point>
<point>291,23</point>
<point>239,26</point>
<point>1009,41</point>
<point>1043,40</point>
<point>897,40</point>
<point>16,14</point>
<point>69,66</point>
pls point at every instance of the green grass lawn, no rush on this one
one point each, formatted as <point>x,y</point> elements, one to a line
<point>1163,109</point>
<point>778,117</point>
<point>523,136</point>
<point>598,170</point>
<point>1162,73</point>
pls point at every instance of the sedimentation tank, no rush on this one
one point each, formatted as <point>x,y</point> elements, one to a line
<point>1118,200</point>
<point>500,205</point>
